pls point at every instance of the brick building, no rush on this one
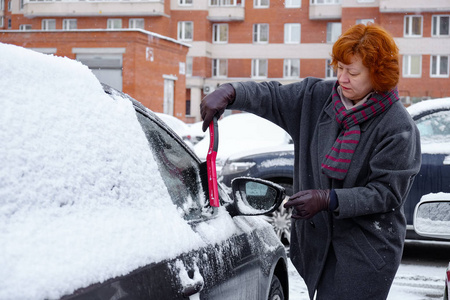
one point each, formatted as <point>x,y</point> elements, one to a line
<point>188,47</point>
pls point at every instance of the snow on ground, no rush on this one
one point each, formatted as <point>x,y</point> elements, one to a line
<point>412,282</point>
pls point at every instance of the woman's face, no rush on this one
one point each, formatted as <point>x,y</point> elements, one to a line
<point>354,79</point>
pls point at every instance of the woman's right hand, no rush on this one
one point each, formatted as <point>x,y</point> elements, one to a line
<point>214,104</point>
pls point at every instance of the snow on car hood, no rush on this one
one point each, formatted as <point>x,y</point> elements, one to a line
<point>78,205</point>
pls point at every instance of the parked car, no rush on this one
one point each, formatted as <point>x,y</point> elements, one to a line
<point>100,199</point>
<point>432,220</point>
<point>433,120</point>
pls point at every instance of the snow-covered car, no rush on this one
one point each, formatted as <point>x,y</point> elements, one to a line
<point>277,164</point>
<point>432,220</point>
<point>243,131</point>
<point>100,199</point>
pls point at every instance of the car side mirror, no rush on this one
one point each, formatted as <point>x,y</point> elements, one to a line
<point>432,216</point>
<point>255,197</point>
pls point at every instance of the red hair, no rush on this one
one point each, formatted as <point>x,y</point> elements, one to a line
<point>377,49</point>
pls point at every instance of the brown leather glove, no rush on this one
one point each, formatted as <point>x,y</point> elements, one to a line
<point>308,203</point>
<point>214,104</point>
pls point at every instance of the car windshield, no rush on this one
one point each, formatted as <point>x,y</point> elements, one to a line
<point>435,127</point>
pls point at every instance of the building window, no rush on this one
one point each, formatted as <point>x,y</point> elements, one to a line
<point>2,4</point>
<point>185,2</point>
<point>291,68</point>
<point>292,33</point>
<point>48,24</point>
<point>25,27</point>
<point>261,3</point>
<point>259,68</point>
<point>334,30</point>
<point>292,3</point>
<point>413,26</point>
<point>2,21</point>
<point>330,72</point>
<point>219,68</point>
<point>220,33</point>
<point>314,2</point>
<point>225,2</point>
<point>440,26</point>
<point>114,24</point>
<point>261,33</point>
<point>136,23</point>
<point>189,62</point>
<point>186,30</point>
<point>21,4</point>
<point>412,65</point>
<point>439,65</point>
<point>69,24</point>
<point>9,23</point>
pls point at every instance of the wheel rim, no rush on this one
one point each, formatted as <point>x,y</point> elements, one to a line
<point>281,223</point>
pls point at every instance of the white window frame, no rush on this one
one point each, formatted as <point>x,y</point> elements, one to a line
<point>183,33</point>
<point>67,24</point>
<point>289,65</point>
<point>324,2</point>
<point>408,26</point>
<point>259,68</point>
<point>10,5</point>
<point>289,37</point>
<point>217,33</point>
<point>219,68</point>
<point>258,33</point>
<point>136,23</point>
<point>407,61</point>
<point>334,30</point>
<point>436,28</point>
<point>2,4</point>
<point>45,24</point>
<point>114,23</point>
<point>185,2</point>
<point>436,60</point>
<point>2,22</point>
<point>330,72</point>
<point>292,3</point>
<point>261,3</point>
<point>24,26</point>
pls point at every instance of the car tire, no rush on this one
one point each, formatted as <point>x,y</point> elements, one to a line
<point>276,290</point>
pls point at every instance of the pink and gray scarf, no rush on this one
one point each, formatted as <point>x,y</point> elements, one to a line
<point>338,159</point>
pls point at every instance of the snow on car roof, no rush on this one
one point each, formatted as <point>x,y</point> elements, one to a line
<point>75,199</point>
<point>425,105</point>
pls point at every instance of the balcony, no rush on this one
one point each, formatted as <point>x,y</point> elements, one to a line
<point>402,6</point>
<point>325,11</point>
<point>226,10</point>
<point>67,8</point>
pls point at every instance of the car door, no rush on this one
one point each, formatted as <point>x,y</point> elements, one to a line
<point>228,267</point>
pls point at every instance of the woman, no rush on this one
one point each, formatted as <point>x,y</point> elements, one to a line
<point>357,151</point>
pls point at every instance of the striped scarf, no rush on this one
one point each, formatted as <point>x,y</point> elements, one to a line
<point>337,162</point>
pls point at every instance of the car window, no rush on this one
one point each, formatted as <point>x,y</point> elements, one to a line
<point>179,170</point>
<point>434,126</point>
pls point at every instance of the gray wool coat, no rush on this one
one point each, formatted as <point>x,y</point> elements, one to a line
<point>367,232</point>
